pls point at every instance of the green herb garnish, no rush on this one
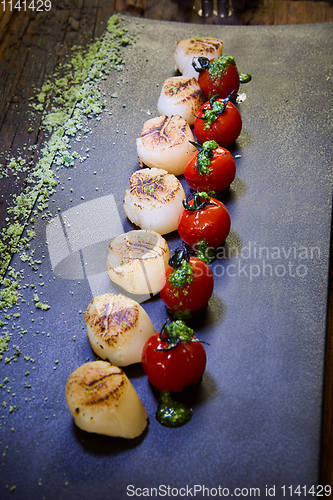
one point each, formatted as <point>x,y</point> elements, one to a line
<point>172,413</point>
<point>204,252</point>
<point>216,109</point>
<point>174,333</point>
<point>244,77</point>
<point>182,275</point>
<point>200,201</point>
<point>204,156</point>
<point>218,66</point>
<point>179,330</point>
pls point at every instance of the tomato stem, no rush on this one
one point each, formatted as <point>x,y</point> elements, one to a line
<point>200,201</point>
<point>204,252</point>
<point>217,107</point>
<point>178,256</point>
<point>206,152</point>
<point>200,63</point>
<point>174,333</point>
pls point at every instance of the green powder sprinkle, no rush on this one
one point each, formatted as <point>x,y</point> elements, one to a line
<point>4,341</point>
<point>64,102</point>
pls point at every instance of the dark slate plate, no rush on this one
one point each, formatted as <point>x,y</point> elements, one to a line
<point>257,413</point>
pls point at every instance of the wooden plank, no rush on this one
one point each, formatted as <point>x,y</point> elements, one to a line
<point>105,10</point>
<point>263,14</point>
<point>5,16</point>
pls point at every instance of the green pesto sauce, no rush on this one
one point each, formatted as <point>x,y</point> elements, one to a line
<point>210,115</point>
<point>179,330</point>
<point>203,162</point>
<point>204,156</point>
<point>182,275</point>
<point>204,252</point>
<point>172,413</point>
<point>245,77</point>
<point>218,66</point>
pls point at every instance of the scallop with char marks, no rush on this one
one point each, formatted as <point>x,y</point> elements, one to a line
<point>164,143</point>
<point>189,48</point>
<point>118,328</point>
<point>102,400</point>
<point>154,200</point>
<point>137,261</point>
<point>182,96</point>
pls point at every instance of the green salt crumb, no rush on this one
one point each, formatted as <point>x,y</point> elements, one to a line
<point>4,341</point>
<point>39,304</point>
<point>65,100</point>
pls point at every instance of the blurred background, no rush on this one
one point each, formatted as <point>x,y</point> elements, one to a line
<point>232,11</point>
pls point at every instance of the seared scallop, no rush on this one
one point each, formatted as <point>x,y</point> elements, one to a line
<point>154,200</point>
<point>164,143</point>
<point>180,95</point>
<point>102,400</point>
<point>189,48</point>
<point>137,261</point>
<point>118,327</point>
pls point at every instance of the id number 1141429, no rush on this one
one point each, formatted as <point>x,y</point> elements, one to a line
<point>26,5</point>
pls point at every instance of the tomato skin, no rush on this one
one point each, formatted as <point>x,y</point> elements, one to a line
<point>222,172</point>
<point>211,224</point>
<point>175,369</point>
<point>223,86</point>
<point>224,130</point>
<point>193,296</point>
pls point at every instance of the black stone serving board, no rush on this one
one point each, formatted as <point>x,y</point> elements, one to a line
<point>257,414</point>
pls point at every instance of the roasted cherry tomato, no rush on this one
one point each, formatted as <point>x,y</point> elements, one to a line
<point>218,120</point>
<point>211,168</point>
<point>173,358</point>
<point>218,76</point>
<point>189,284</point>
<point>204,219</point>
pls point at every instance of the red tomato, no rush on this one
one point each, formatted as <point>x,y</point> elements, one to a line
<point>221,171</point>
<point>224,129</point>
<point>221,83</point>
<point>174,368</point>
<point>193,295</point>
<point>210,223</point>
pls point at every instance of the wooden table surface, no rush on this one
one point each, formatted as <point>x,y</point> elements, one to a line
<point>32,44</point>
